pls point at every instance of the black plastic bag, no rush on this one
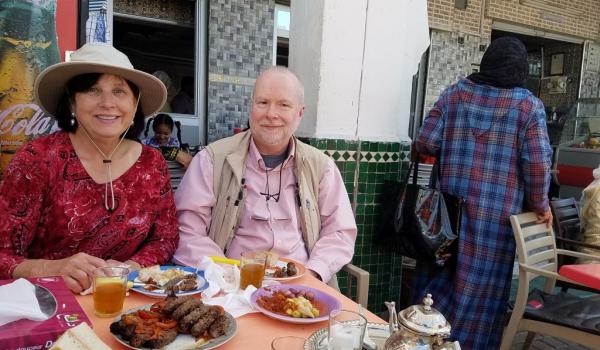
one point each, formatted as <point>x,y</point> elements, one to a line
<point>422,222</point>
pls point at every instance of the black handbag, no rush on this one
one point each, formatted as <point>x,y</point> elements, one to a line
<point>426,221</point>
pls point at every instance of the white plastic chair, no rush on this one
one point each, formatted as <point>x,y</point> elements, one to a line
<point>537,255</point>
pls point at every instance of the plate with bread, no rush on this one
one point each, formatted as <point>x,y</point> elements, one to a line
<point>80,337</point>
<point>174,323</point>
<point>158,281</point>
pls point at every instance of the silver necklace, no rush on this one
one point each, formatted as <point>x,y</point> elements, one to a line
<point>107,161</point>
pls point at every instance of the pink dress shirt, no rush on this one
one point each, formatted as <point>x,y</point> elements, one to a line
<point>266,224</point>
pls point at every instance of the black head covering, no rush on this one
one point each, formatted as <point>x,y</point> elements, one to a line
<point>504,64</point>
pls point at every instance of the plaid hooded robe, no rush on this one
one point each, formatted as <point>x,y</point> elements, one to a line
<point>493,151</point>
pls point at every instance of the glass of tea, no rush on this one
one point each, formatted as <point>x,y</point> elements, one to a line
<point>110,286</point>
<point>252,269</point>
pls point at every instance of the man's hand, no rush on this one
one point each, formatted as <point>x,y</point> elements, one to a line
<point>545,217</point>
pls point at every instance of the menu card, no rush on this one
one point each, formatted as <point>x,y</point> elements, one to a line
<point>59,302</point>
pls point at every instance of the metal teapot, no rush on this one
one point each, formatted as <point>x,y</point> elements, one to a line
<point>418,327</point>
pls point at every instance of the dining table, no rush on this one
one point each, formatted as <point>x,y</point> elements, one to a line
<point>254,330</point>
<point>586,274</point>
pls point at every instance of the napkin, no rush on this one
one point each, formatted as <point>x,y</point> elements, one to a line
<point>224,289</point>
<point>236,303</point>
<point>225,278</point>
<point>18,301</point>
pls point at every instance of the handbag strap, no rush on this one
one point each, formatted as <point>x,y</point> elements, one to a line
<point>414,168</point>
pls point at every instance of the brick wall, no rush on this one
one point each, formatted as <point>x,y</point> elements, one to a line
<point>444,16</point>
<point>585,24</point>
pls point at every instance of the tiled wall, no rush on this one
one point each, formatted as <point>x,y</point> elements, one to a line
<point>590,79</point>
<point>364,167</point>
<point>451,56</point>
<point>571,69</point>
<point>240,46</point>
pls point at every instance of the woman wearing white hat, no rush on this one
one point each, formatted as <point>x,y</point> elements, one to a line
<point>90,195</point>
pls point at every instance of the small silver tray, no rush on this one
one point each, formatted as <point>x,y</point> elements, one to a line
<point>378,332</point>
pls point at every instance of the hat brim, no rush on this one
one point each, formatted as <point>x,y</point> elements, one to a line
<point>50,84</point>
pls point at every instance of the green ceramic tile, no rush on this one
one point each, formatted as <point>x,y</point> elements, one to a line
<point>331,144</point>
<point>382,147</point>
<point>341,145</point>
<point>350,166</point>
<point>395,147</point>
<point>372,178</point>
<point>352,145</point>
<point>363,167</point>
<point>364,146</point>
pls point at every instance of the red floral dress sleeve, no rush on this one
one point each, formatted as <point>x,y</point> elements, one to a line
<point>163,238</point>
<point>22,194</point>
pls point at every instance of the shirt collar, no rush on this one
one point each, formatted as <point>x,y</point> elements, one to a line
<point>255,156</point>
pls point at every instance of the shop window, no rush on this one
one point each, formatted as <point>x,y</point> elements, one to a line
<point>167,39</point>
<point>281,36</point>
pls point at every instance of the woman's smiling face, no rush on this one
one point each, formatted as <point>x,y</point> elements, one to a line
<point>107,108</point>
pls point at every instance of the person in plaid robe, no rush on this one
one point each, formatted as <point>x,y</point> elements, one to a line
<point>490,136</point>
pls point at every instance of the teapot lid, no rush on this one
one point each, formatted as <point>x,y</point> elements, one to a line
<point>425,319</point>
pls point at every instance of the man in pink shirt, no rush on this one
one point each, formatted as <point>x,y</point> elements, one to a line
<point>263,189</point>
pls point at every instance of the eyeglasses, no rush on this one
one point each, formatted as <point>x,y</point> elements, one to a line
<point>267,193</point>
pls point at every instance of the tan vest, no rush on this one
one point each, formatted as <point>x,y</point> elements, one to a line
<point>229,158</point>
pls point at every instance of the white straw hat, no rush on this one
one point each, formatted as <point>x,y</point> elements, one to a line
<point>97,58</point>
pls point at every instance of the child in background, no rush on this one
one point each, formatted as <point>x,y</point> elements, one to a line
<point>170,147</point>
<point>162,125</point>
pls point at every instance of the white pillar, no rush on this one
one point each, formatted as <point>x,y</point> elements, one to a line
<point>356,59</point>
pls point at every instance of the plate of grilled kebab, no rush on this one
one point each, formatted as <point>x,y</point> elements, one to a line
<point>177,322</point>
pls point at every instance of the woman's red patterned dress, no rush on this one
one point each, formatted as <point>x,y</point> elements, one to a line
<point>50,208</point>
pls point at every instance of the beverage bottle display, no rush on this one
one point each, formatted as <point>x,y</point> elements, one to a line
<point>28,44</point>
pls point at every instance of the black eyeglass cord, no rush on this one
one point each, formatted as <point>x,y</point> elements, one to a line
<point>268,194</point>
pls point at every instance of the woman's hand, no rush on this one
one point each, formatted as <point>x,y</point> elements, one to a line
<point>545,217</point>
<point>77,270</point>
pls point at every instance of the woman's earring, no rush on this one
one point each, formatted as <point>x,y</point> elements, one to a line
<point>73,120</point>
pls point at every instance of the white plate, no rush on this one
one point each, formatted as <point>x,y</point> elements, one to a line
<point>283,262</point>
<point>183,341</point>
<point>201,283</point>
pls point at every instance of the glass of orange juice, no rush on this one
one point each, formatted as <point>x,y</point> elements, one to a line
<point>110,286</point>
<point>252,269</point>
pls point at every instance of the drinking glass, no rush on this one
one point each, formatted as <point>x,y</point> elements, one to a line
<point>288,343</point>
<point>346,330</point>
<point>110,286</point>
<point>252,269</point>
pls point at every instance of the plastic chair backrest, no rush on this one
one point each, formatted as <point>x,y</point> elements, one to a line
<point>536,245</point>
<point>567,218</point>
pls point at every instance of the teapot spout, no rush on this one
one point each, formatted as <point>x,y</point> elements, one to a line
<point>393,320</point>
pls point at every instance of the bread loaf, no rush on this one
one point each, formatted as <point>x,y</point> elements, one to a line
<point>80,337</point>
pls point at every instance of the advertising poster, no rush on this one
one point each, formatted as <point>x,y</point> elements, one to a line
<point>28,44</point>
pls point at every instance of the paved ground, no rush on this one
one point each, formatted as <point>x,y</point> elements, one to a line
<point>543,342</point>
